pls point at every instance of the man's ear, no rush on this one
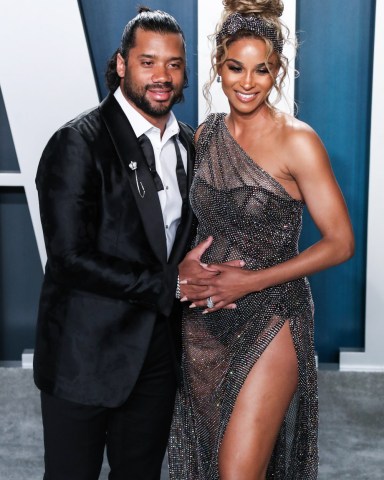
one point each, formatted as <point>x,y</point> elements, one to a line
<point>120,65</point>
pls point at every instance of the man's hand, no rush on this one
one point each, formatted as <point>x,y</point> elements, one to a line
<point>196,277</point>
<point>191,267</point>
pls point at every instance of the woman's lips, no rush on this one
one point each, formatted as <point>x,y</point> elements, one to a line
<point>245,97</point>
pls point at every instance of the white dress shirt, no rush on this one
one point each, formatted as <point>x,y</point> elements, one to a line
<point>165,159</point>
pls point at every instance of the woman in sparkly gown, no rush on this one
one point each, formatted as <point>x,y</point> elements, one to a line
<point>247,406</point>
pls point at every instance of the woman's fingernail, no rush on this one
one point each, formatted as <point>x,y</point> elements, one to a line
<point>184,299</point>
<point>192,305</point>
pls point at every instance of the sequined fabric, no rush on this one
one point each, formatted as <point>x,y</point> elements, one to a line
<point>251,217</point>
<point>251,23</point>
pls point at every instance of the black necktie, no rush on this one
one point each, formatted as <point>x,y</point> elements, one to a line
<point>149,154</point>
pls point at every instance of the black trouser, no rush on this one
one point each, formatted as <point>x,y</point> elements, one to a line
<point>135,434</point>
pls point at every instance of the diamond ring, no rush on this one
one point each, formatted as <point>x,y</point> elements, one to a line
<point>210,303</point>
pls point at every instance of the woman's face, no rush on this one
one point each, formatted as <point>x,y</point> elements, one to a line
<point>246,80</point>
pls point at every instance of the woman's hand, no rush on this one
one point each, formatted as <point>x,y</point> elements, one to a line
<point>228,285</point>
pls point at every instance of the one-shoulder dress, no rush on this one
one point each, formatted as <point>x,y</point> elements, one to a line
<point>253,218</point>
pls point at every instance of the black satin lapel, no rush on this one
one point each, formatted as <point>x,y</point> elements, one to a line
<point>184,229</point>
<point>187,142</point>
<point>128,149</point>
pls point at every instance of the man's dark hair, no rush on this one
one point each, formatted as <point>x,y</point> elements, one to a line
<point>150,21</point>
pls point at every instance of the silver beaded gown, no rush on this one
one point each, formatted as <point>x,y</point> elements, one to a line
<point>251,217</point>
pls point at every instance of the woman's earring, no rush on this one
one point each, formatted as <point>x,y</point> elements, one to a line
<point>218,79</point>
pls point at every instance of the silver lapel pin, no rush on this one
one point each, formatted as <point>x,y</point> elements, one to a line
<point>140,188</point>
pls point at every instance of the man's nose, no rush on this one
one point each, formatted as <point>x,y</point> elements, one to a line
<point>161,74</point>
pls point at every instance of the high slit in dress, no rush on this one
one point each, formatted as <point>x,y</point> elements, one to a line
<point>251,217</point>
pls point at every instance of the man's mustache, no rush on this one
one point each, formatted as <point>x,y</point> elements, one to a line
<point>160,86</point>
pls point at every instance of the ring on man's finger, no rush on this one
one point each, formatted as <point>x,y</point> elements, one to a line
<point>210,303</point>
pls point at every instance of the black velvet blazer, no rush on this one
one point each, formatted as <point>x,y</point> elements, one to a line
<point>107,277</point>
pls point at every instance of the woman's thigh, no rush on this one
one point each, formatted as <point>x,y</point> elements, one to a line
<point>259,411</point>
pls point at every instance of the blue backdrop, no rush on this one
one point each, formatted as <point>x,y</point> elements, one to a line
<point>333,95</point>
<point>104,25</point>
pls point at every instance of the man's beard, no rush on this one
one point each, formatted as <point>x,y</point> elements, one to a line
<point>137,96</point>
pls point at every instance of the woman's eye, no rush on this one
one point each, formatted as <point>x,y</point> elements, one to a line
<point>234,68</point>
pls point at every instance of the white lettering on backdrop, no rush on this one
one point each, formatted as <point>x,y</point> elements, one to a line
<point>46,79</point>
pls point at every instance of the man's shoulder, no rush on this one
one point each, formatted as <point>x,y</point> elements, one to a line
<point>87,128</point>
<point>86,122</point>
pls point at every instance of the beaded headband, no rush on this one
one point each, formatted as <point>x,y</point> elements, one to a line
<point>253,23</point>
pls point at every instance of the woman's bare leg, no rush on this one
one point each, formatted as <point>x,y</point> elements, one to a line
<point>259,411</point>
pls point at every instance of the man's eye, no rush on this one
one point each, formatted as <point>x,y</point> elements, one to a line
<point>174,65</point>
<point>146,64</point>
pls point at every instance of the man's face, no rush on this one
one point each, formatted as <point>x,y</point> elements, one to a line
<point>152,79</point>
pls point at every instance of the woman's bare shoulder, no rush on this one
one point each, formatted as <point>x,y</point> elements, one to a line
<point>300,139</point>
<point>294,128</point>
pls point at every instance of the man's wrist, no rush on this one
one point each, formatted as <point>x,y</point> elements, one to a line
<point>178,292</point>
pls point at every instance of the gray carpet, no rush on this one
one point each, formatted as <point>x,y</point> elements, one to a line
<point>351,426</point>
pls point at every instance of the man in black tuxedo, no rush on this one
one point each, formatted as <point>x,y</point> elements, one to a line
<point>113,189</point>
